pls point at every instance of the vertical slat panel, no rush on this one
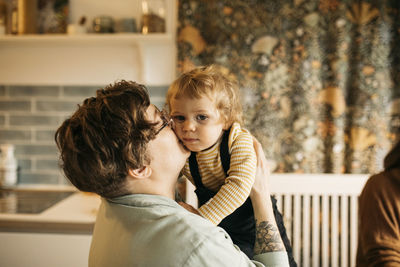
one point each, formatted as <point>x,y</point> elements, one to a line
<point>344,232</point>
<point>325,231</point>
<point>335,232</point>
<point>297,227</point>
<point>316,226</point>
<point>332,240</point>
<point>306,231</point>
<point>353,229</point>
<point>287,209</point>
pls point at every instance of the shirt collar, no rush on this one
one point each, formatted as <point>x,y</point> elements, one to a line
<point>144,200</point>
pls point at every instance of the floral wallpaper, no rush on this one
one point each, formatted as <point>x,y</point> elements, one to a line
<point>320,79</point>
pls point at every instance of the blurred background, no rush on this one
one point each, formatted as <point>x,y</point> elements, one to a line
<point>319,79</point>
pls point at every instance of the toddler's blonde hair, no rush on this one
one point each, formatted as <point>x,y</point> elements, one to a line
<point>208,81</point>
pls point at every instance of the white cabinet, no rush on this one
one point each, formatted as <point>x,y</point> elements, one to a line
<point>90,59</point>
<point>45,250</point>
<point>59,236</point>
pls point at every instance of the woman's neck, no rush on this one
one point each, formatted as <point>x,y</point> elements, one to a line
<point>152,186</point>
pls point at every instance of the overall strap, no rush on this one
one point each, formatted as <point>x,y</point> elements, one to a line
<point>194,170</point>
<point>224,152</point>
<point>224,156</point>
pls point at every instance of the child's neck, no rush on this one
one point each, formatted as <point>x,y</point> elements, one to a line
<point>218,140</point>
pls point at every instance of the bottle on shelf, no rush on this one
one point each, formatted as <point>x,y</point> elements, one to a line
<point>27,15</point>
<point>153,16</point>
<point>3,18</point>
<point>14,17</point>
<point>8,165</point>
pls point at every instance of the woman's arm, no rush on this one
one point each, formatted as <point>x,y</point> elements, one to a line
<point>268,238</point>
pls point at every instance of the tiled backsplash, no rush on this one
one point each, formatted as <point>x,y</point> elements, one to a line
<point>29,116</point>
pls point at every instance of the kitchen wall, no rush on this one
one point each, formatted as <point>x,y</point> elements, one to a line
<point>29,116</point>
<point>44,77</point>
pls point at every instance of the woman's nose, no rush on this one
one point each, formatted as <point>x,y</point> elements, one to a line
<point>188,125</point>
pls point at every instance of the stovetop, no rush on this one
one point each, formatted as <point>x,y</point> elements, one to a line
<point>30,202</point>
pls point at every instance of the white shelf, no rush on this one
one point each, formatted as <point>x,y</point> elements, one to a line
<point>87,59</point>
<point>87,39</point>
<point>92,58</point>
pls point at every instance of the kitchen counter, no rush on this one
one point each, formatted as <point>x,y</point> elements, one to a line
<point>74,214</point>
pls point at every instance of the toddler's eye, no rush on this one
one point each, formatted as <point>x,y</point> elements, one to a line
<point>201,117</point>
<point>178,118</point>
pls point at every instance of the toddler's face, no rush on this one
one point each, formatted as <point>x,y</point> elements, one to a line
<point>198,123</point>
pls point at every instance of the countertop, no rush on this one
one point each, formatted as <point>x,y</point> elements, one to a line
<point>74,214</point>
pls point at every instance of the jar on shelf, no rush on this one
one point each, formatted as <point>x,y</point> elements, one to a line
<point>153,16</point>
<point>103,24</point>
<point>8,165</point>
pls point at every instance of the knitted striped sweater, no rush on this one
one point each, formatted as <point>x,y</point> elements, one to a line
<point>232,190</point>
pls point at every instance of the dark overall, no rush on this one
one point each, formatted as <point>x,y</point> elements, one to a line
<point>240,225</point>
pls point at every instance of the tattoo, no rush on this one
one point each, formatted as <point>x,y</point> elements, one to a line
<point>268,238</point>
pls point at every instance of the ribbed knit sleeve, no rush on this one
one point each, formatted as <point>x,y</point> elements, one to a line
<point>237,186</point>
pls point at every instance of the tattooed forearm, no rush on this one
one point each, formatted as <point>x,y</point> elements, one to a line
<point>267,238</point>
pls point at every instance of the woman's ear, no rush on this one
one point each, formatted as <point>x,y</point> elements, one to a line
<point>140,173</point>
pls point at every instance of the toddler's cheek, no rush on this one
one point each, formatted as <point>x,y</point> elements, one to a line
<point>177,131</point>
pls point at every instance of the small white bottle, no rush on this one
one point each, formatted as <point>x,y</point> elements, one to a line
<point>8,165</point>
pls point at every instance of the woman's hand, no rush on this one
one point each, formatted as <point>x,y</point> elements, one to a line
<point>189,208</point>
<point>261,182</point>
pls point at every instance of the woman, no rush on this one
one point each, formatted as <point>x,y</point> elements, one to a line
<point>121,147</point>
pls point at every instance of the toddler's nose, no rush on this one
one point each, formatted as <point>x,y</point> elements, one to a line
<point>189,125</point>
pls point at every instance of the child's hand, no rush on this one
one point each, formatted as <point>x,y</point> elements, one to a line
<point>189,208</point>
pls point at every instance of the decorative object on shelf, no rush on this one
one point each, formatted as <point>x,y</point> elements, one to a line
<point>8,165</point>
<point>27,15</point>
<point>126,25</point>
<point>103,24</point>
<point>22,18</point>
<point>52,16</point>
<point>153,16</point>
<point>14,17</point>
<point>79,28</point>
<point>3,18</point>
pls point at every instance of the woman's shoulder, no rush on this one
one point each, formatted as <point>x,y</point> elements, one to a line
<point>383,179</point>
<point>382,183</point>
<point>197,228</point>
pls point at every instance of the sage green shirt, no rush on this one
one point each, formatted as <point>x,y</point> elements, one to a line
<point>150,230</point>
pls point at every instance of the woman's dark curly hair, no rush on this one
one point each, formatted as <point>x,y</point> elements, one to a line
<point>106,137</point>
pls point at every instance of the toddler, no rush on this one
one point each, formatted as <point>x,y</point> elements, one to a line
<point>207,116</point>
